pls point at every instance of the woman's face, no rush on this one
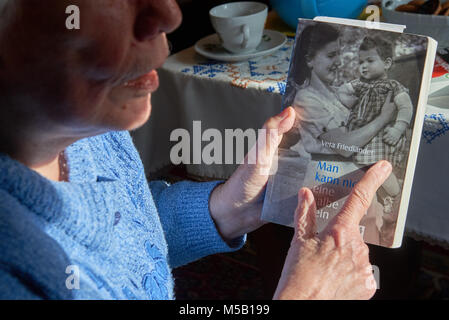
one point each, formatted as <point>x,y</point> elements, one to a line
<point>325,62</point>
<point>91,80</point>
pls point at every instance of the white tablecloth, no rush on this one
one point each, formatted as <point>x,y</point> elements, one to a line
<point>243,95</point>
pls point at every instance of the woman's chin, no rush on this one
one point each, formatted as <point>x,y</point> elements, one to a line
<point>134,114</point>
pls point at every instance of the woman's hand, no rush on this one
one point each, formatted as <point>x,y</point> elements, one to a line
<point>333,264</point>
<point>361,136</point>
<point>236,205</point>
<point>388,109</point>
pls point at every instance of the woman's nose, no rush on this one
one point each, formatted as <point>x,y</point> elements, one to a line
<point>155,17</point>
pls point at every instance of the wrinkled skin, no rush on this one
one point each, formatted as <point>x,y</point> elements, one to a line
<point>60,85</point>
<point>333,264</point>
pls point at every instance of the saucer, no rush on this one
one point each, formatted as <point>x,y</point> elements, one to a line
<point>211,48</point>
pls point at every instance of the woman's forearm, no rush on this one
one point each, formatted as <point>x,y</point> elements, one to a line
<point>359,137</point>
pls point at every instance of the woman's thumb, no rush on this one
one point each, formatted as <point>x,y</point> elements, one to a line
<point>282,122</point>
<point>269,139</point>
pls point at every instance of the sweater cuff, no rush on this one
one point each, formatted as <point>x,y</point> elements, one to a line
<point>199,218</point>
<point>192,233</point>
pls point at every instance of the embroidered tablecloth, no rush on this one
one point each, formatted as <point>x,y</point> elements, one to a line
<point>243,95</point>
<point>267,74</point>
<point>222,95</point>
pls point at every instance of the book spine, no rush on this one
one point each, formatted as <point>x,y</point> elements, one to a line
<point>416,137</point>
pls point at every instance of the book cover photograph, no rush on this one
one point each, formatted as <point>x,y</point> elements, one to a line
<point>359,95</point>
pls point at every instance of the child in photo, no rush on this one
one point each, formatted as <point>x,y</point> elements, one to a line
<point>366,97</point>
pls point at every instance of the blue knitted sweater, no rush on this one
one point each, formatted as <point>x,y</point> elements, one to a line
<point>106,234</point>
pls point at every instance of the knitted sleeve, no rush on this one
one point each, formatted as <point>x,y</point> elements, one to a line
<point>183,208</point>
<point>189,229</point>
<point>15,288</point>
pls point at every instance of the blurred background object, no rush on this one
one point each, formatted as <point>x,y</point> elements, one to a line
<point>291,10</point>
<point>195,23</point>
<point>432,25</point>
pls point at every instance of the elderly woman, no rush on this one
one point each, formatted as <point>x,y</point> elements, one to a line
<point>78,219</point>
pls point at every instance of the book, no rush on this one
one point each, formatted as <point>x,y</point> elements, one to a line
<point>343,76</point>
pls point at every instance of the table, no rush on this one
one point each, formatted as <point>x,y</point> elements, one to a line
<point>220,95</point>
<point>243,95</point>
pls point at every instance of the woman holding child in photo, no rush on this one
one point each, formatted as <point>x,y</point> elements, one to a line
<point>371,112</point>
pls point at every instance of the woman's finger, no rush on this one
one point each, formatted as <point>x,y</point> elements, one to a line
<point>361,196</point>
<point>305,216</point>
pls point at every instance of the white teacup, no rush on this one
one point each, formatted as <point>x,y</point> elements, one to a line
<point>239,25</point>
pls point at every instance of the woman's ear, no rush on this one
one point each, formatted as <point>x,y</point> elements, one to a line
<point>309,62</point>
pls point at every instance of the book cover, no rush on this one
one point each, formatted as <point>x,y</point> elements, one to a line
<point>360,96</point>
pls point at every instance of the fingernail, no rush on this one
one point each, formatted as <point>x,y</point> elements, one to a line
<point>301,196</point>
<point>284,114</point>
<point>386,168</point>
